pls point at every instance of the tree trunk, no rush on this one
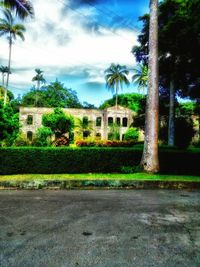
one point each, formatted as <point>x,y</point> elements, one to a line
<point>116,97</point>
<point>171,126</point>
<point>9,60</point>
<point>150,162</point>
<point>8,74</point>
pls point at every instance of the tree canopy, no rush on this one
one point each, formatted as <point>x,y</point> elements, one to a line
<point>53,95</point>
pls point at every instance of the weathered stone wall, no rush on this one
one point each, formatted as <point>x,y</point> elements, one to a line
<point>120,113</point>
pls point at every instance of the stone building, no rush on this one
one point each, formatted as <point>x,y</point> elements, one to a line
<point>102,120</point>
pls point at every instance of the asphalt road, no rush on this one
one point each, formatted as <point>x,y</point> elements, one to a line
<point>100,228</point>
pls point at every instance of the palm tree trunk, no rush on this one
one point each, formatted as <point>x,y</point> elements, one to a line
<point>3,78</point>
<point>116,97</point>
<point>8,74</point>
<point>150,162</point>
<point>171,126</point>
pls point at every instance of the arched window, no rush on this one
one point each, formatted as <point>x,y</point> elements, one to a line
<point>110,121</point>
<point>125,122</point>
<point>98,121</point>
<point>29,120</point>
<point>30,135</point>
<point>118,121</point>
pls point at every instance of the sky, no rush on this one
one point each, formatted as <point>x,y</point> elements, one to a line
<point>74,41</point>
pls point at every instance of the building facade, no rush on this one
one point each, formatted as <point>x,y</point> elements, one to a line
<point>101,120</point>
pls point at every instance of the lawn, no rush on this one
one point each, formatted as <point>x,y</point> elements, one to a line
<point>97,176</point>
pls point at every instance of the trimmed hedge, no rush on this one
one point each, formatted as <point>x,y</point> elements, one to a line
<point>94,160</point>
<point>65,160</point>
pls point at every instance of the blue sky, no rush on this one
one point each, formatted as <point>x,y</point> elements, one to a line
<point>75,41</point>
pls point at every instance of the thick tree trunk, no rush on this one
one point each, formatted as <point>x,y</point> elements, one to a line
<point>150,162</point>
<point>171,125</point>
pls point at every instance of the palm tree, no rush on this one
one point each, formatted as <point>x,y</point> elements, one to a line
<point>116,76</point>
<point>23,8</point>
<point>140,76</point>
<point>39,78</point>
<point>150,162</point>
<point>84,126</point>
<point>12,31</point>
<point>4,70</point>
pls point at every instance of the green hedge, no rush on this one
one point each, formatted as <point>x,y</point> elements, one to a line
<point>86,160</point>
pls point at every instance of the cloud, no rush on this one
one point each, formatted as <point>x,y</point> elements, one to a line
<point>67,46</point>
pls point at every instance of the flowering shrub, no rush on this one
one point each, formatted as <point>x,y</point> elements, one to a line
<point>106,143</point>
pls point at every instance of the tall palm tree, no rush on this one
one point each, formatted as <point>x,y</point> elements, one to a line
<point>140,76</point>
<point>116,76</point>
<point>150,162</point>
<point>4,70</point>
<point>12,30</point>
<point>39,78</point>
<point>23,8</point>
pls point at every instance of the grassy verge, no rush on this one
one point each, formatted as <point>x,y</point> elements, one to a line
<point>98,176</point>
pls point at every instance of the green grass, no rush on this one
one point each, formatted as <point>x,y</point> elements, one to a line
<point>99,176</point>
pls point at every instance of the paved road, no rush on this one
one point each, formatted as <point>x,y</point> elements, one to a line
<point>99,228</point>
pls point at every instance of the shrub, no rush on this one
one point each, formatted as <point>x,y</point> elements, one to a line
<point>184,131</point>
<point>101,143</point>
<point>95,160</point>
<point>132,134</point>
<point>21,141</point>
<point>58,122</point>
<point>61,141</point>
<point>43,137</point>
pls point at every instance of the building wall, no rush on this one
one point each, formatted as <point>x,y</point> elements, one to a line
<point>92,114</point>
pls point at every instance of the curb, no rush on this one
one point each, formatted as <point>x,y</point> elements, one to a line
<point>97,184</point>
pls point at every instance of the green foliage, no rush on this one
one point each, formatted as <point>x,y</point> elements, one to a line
<point>92,160</point>
<point>43,137</point>
<point>184,131</point>
<point>114,132</point>
<point>53,95</point>
<point>66,160</point>
<point>83,127</point>
<point>134,101</point>
<point>140,76</point>
<point>132,134</point>
<point>58,122</point>
<point>9,125</point>
<point>104,143</point>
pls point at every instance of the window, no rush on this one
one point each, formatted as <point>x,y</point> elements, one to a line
<point>29,135</point>
<point>29,120</point>
<point>98,136</point>
<point>125,122</point>
<point>86,133</point>
<point>98,121</point>
<point>118,121</point>
<point>110,121</point>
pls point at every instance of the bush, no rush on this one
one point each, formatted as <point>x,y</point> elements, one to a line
<point>184,131</point>
<point>101,143</point>
<point>96,160</point>
<point>132,134</point>
<point>66,160</point>
<point>43,137</point>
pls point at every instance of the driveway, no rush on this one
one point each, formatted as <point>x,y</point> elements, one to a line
<point>100,228</point>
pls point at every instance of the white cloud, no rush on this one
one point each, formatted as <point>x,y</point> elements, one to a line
<point>57,41</point>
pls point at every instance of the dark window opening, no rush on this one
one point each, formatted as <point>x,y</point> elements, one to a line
<point>110,121</point>
<point>125,122</point>
<point>30,136</point>
<point>118,121</point>
<point>98,136</point>
<point>98,121</point>
<point>30,120</point>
